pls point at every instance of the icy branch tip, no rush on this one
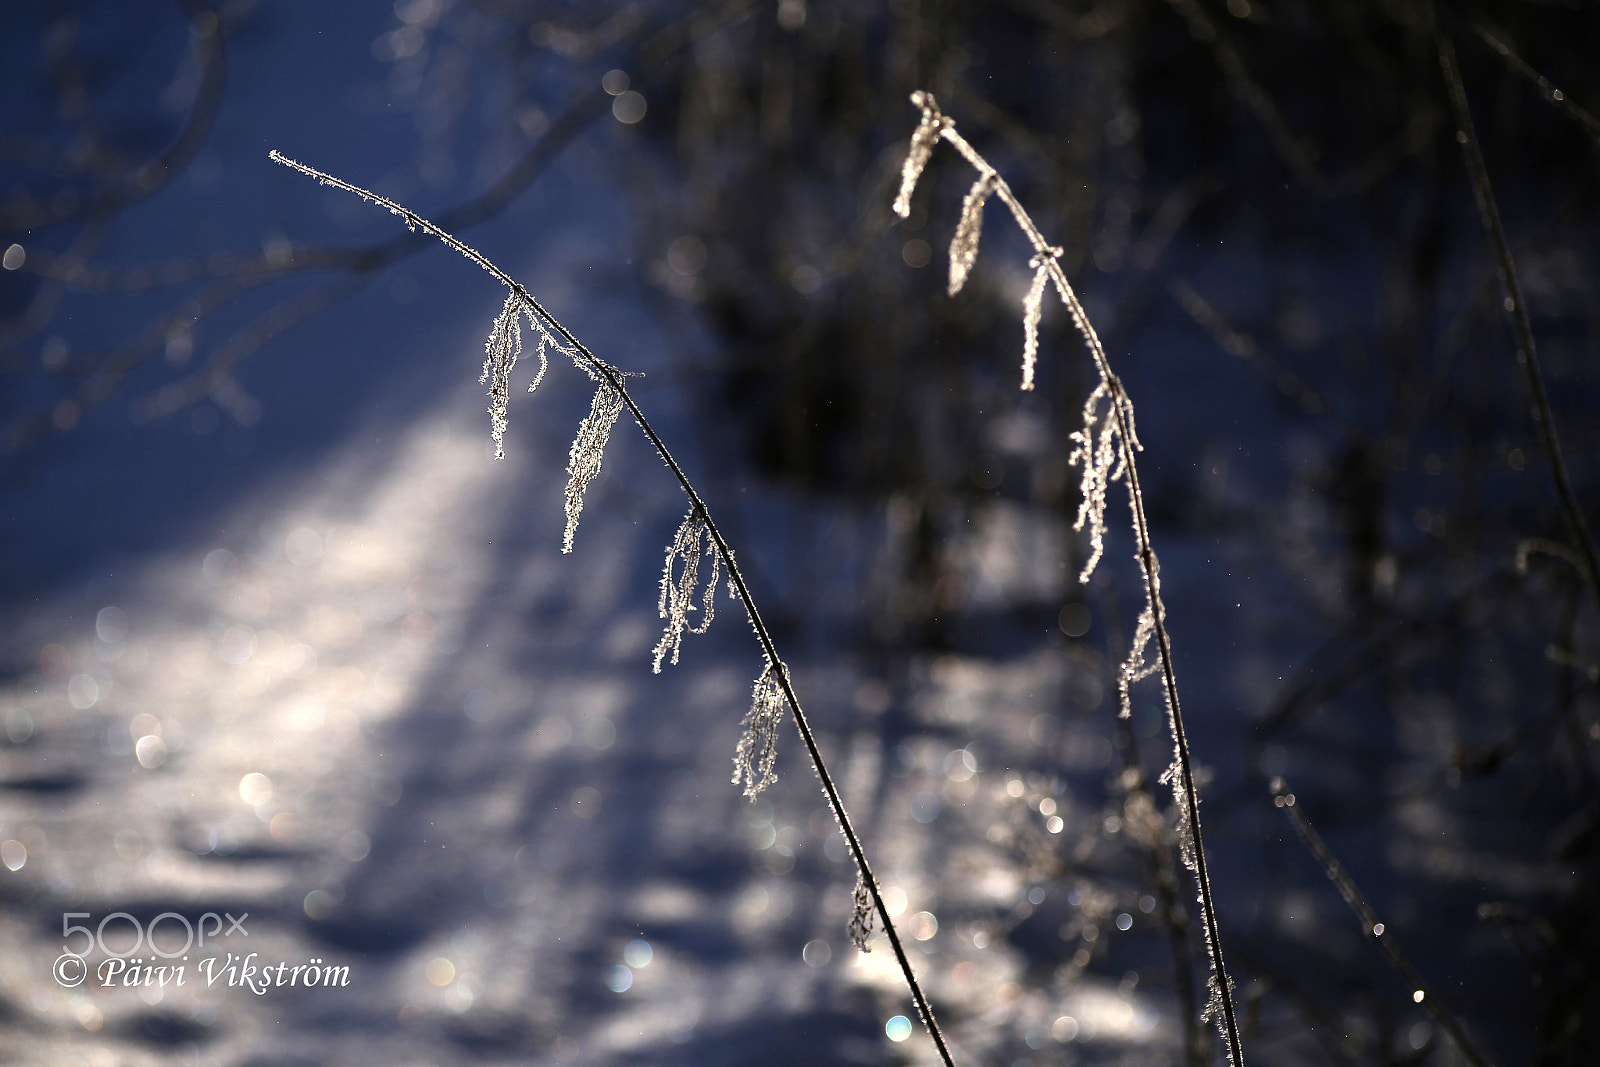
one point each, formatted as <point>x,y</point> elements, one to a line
<point>294,164</point>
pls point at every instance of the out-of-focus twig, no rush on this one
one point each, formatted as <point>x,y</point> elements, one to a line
<point>1371,927</point>
<point>1527,355</point>
<point>1515,63</point>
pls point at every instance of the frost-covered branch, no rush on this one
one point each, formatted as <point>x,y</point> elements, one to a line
<point>773,688</point>
<point>1104,449</point>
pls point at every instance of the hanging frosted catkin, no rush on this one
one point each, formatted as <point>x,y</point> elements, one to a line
<point>501,351</point>
<point>964,245</point>
<point>757,751</point>
<point>923,139</point>
<point>1033,311</point>
<point>677,593</point>
<point>588,449</point>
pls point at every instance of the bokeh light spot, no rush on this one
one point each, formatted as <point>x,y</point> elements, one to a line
<point>83,692</point>
<point>628,108</point>
<point>354,845</point>
<point>441,972</point>
<point>284,827</point>
<point>586,802</point>
<point>19,726</point>
<point>1074,620</point>
<point>237,644</point>
<point>894,898</point>
<point>255,787</point>
<point>217,567</point>
<point>111,625</point>
<point>303,546</point>
<point>151,751</point>
<point>638,954</point>
<point>925,807</point>
<point>318,904</point>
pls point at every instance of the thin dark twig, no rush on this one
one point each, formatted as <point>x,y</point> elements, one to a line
<point>1527,355</point>
<point>1298,152</point>
<point>71,270</point>
<point>1370,926</point>
<point>206,32</point>
<point>616,380</point>
<point>1516,63</point>
<point>1122,407</point>
<point>1245,347</point>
